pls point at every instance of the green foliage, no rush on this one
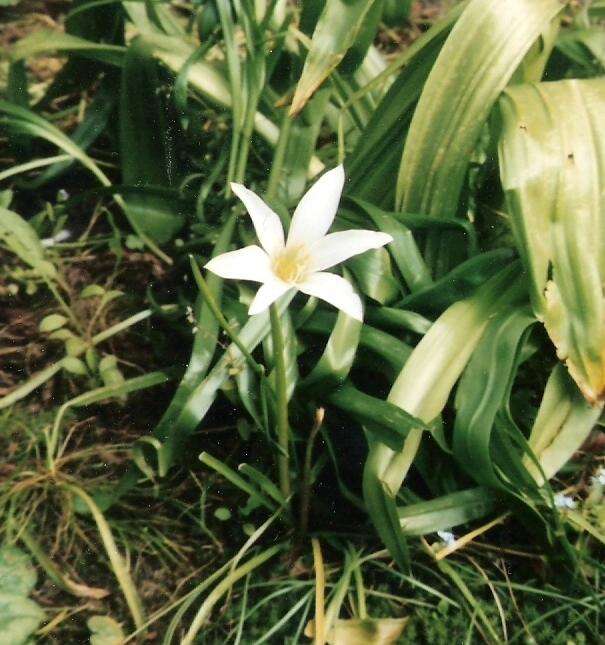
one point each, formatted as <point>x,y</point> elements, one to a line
<point>19,616</point>
<point>104,630</point>
<point>479,142</point>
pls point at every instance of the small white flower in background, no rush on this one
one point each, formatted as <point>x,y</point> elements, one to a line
<point>564,501</point>
<point>446,537</point>
<point>61,236</point>
<point>300,261</point>
<point>599,476</point>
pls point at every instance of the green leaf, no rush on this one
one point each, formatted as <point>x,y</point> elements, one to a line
<point>564,421</point>
<point>377,154</point>
<point>146,160</point>
<point>423,388</point>
<point>337,28</point>
<point>41,42</point>
<point>17,573</point>
<point>395,12</point>
<point>206,77</point>
<point>94,123</point>
<point>104,630</point>
<point>446,512</point>
<point>391,350</point>
<point>20,617</point>
<point>205,341</point>
<point>481,54</point>
<point>51,323</point>
<point>585,47</point>
<point>175,429</point>
<point>552,160</point>
<point>75,346</point>
<point>404,249</point>
<point>24,121</point>
<point>92,291</point>
<point>75,366</point>
<point>459,283</point>
<point>23,241</point>
<point>295,147</point>
<point>238,481</point>
<point>222,513</point>
<point>337,359</point>
<point>388,423</point>
<point>61,334</point>
<point>483,391</point>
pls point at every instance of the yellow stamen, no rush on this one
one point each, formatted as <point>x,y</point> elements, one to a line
<point>292,265</point>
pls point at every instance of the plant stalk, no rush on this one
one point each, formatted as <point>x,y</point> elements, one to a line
<point>281,395</point>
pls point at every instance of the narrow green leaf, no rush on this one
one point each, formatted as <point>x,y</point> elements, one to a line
<point>483,391</point>
<point>335,32</point>
<point>22,239</point>
<point>564,421</point>
<point>146,160</point>
<point>41,42</point>
<point>446,512</point>
<point>388,423</point>
<point>337,359</point>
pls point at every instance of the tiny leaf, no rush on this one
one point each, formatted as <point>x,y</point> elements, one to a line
<point>51,323</point>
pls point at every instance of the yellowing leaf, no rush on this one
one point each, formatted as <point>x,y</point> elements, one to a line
<point>552,164</point>
<point>357,631</point>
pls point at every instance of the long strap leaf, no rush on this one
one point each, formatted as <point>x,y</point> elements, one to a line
<point>484,49</point>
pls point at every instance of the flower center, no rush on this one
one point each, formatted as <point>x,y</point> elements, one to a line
<point>291,265</point>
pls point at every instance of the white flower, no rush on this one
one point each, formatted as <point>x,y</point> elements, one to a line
<point>564,501</point>
<point>300,261</point>
<point>447,537</point>
<point>61,236</point>
<point>599,477</point>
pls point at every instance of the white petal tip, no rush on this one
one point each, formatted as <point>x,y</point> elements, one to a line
<point>254,311</point>
<point>339,171</point>
<point>236,187</point>
<point>210,266</point>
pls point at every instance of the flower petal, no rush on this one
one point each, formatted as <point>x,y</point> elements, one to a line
<point>316,210</point>
<point>267,224</point>
<point>249,263</point>
<point>335,290</point>
<point>338,247</point>
<point>266,295</point>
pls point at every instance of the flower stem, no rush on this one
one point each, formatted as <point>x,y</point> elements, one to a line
<point>281,393</point>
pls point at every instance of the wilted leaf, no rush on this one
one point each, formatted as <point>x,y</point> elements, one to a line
<point>357,631</point>
<point>552,160</point>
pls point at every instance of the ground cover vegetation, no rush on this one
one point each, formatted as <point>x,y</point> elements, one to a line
<point>398,439</point>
